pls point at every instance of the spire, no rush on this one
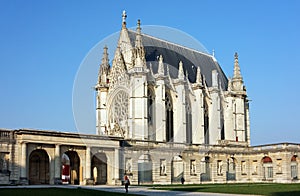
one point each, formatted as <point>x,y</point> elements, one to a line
<point>198,77</point>
<point>237,79</point>
<point>161,70</point>
<point>180,71</point>
<point>139,49</point>
<point>124,16</point>
<point>237,69</point>
<point>104,67</point>
<point>118,71</point>
<point>138,39</point>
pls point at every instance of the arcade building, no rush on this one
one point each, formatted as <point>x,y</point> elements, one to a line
<point>163,111</point>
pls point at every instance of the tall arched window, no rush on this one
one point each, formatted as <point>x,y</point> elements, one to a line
<point>150,104</point>
<point>188,117</point>
<point>294,168</point>
<point>169,118</point>
<point>206,124</point>
<point>267,168</point>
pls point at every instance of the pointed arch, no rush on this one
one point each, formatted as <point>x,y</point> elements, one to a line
<point>151,113</point>
<point>206,123</point>
<point>188,117</point>
<point>169,117</point>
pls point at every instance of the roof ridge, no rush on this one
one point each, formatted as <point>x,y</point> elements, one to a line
<point>175,44</point>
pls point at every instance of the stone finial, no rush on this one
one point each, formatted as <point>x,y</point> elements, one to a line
<point>124,16</point>
<point>180,71</point>
<point>237,69</point>
<point>237,79</point>
<point>161,70</point>
<point>104,67</point>
<point>198,76</point>
<point>138,38</point>
<point>139,25</point>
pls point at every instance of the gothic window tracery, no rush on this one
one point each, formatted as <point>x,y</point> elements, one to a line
<point>119,110</point>
<point>188,122</point>
<point>206,123</point>
<point>150,103</point>
<point>169,117</point>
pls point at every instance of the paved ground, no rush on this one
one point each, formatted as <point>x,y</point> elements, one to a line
<point>132,189</point>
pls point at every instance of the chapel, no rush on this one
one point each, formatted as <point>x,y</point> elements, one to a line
<point>164,112</point>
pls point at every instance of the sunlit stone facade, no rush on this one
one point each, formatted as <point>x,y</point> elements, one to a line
<point>163,112</point>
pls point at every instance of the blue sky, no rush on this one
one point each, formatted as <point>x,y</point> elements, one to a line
<point>42,44</point>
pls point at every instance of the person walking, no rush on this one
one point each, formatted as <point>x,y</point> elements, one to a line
<point>126,182</point>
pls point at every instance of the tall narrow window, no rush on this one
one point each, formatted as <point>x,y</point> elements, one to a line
<point>267,168</point>
<point>150,103</point>
<point>188,122</point>
<point>294,168</point>
<point>206,124</point>
<point>169,118</point>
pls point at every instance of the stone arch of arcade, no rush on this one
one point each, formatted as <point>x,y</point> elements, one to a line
<point>39,167</point>
<point>74,167</point>
<point>99,168</point>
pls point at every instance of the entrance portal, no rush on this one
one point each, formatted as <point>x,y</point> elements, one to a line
<point>99,168</point>
<point>39,167</point>
<point>144,169</point>
<point>74,166</point>
<point>177,169</point>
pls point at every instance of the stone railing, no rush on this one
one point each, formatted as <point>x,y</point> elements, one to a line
<point>270,147</point>
<point>6,136</point>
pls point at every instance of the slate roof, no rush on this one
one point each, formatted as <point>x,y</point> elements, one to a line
<point>173,53</point>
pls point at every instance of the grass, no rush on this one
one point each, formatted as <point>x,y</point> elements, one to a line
<point>253,189</point>
<point>55,192</point>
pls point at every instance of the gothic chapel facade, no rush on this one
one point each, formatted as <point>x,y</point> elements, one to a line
<point>163,112</point>
<point>139,98</point>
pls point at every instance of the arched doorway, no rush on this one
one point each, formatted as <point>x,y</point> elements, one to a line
<point>231,169</point>
<point>294,168</point>
<point>205,169</point>
<point>39,167</point>
<point>144,169</point>
<point>74,167</point>
<point>177,169</point>
<point>267,164</point>
<point>99,168</point>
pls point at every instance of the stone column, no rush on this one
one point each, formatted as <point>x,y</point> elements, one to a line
<point>57,165</point>
<point>88,165</point>
<point>23,165</point>
<point>117,166</point>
